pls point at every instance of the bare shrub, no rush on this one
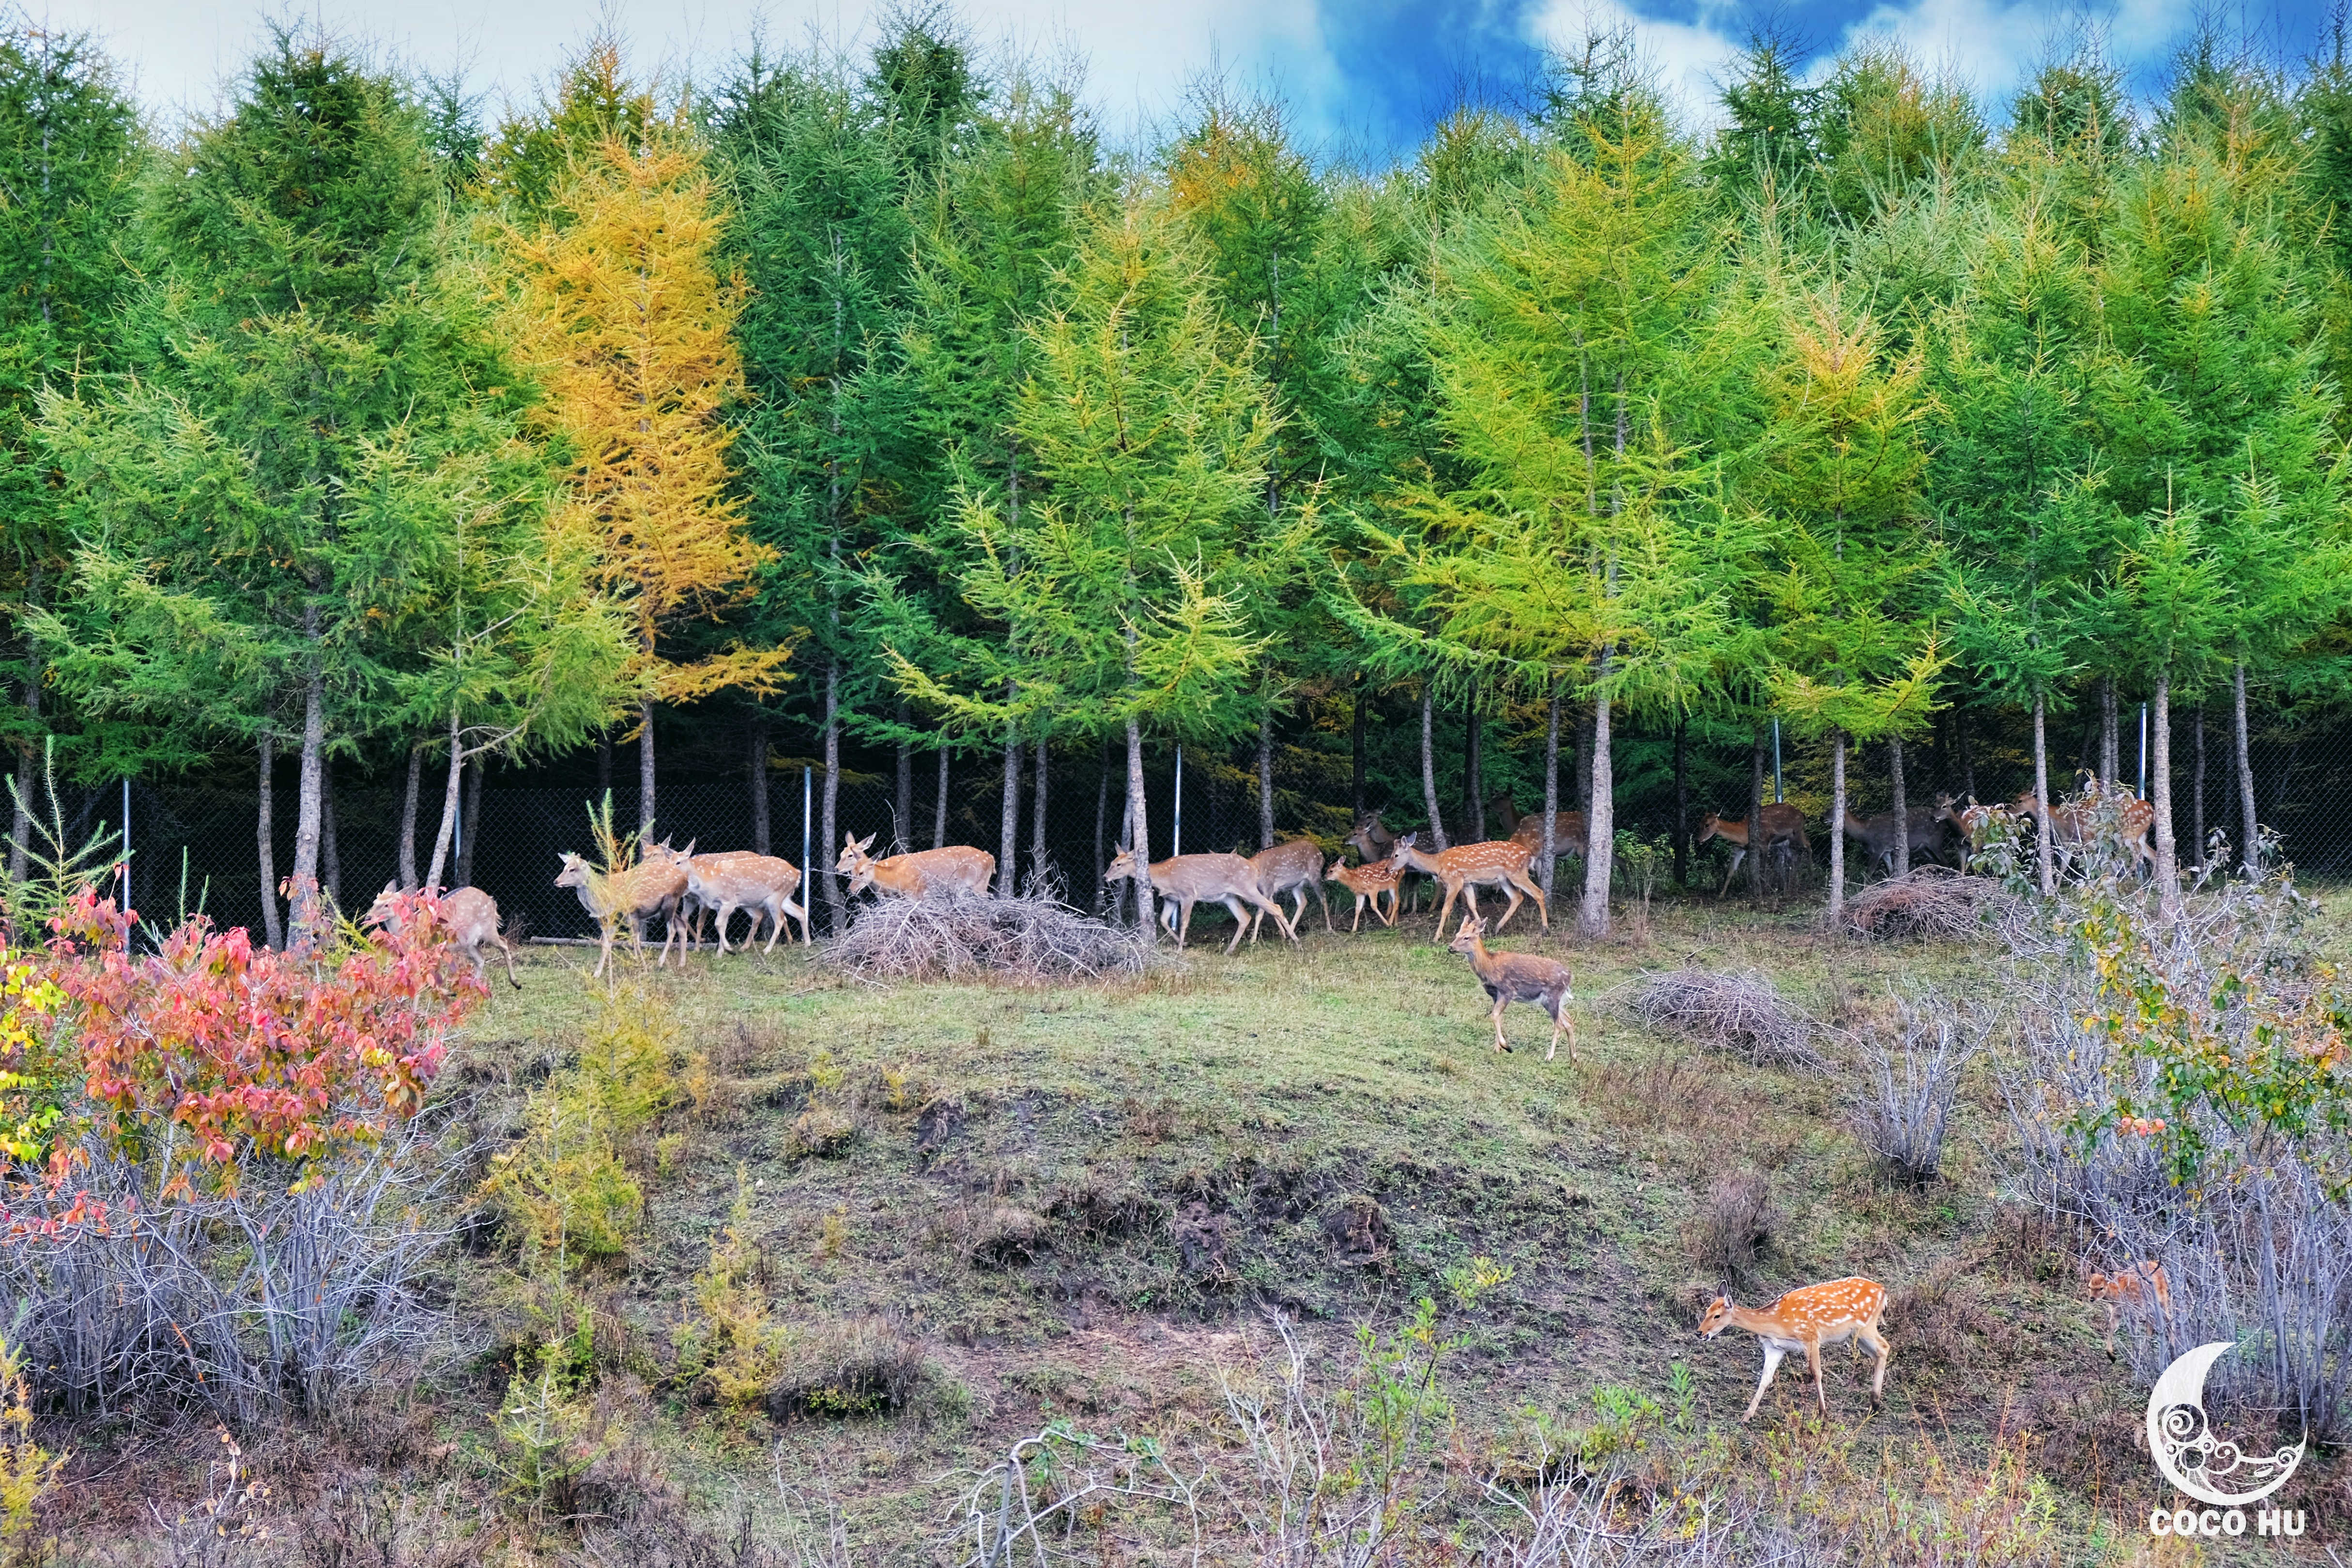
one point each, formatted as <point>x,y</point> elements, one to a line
<point>1026,940</point>
<point>1904,1108</point>
<point>1930,902</point>
<point>859,1366</point>
<point>1738,1013</point>
<point>1731,1231</point>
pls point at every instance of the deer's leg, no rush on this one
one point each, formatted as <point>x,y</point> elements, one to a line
<point>1813,1360</point>
<point>1736,857</point>
<point>1446,909</point>
<point>1289,927</point>
<point>1510,909</point>
<point>1562,1019</point>
<point>1877,1343</point>
<point>1772,1354</point>
<point>1533,889</point>
<point>1242,922</point>
<point>1184,924</point>
<point>1323,895</point>
<point>1502,999</point>
<point>507,948</point>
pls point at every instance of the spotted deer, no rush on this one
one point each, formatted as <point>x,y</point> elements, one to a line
<point>656,885</point>
<point>1568,832</point>
<point>926,873</point>
<point>1511,977</point>
<point>1293,868</point>
<point>2072,823</point>
<point>2143,1286</point>
<point>1368,883</point>
<point>761,884</point>
<point>1188,879</point>
<point>1784,834</point>
<point>1806,1319</point>
<point>472,916</point>
<point>1465,868</point>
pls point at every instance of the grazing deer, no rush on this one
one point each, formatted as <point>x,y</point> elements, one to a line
<point>1784,834</point>
<point>656,885</point>
<point>1188,879</point>
<point>2142,1284</point>
<point>958,868</point>
<point>1876,834</point>
<point>761,884</point>
<point>472,916</point>
<point>1806,1319</point>
<point>1465,868</point>
<point>1511,977</point>
<point>1293,868</point>
<point>1567,832</point>
<point>1368,883</point>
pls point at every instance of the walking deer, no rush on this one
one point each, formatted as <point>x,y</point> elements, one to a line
<point>1806,1319</point>
<point>1511,977</point>
<point>1368,883</point>
<point>959,868</point>
<point>2072,824</point>
<point>472,916</point>
<point>655,886</point>
<point>1566,833</point>
<point>2143,1286</point>
<point>761,884</point>
<point>1465,868</point>
<point>1188,879</point>
<point>1784,834</point>
<point>1293,868</point>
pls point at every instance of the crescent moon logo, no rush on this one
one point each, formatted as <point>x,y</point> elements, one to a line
<point>2181,1436</point>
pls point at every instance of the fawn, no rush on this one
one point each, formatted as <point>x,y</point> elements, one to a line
<point>1806,1319</point>
<point>1511,977</point>
<point>1188,879</point>
<point>1465,867</point>
<point>2143,1285</point>
<point>1293,868</point>
<point>958,868</point>
<point>1368,883</point>
<point>761,884</point>
<point>473,919</point>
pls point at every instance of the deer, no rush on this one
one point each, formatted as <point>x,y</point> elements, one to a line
<point>1368,883</point>
<point>1511,977</point>
<point>2142,1284</point>
<point>1973,822</point>
<point>653,886</point>
<point>1875,834</point>
<point>1465,867</point>
<point>2071,823</point>
<point>1188,879</point>
<point>763,884</point>
<point>1567,832</point>
<point>1784,833</point>
<point>472,916</point>
<point>1806,1319</point>
<point>1371,838</point>
<point>1293,868</point>
<point>958,868</point>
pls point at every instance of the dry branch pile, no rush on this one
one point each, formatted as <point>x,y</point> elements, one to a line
<point>1929,901</point>
<point>1027,940</point>
<point>1738,1013</point>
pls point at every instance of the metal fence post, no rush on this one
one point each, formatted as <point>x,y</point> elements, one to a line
<point>1176,831</point>
<point>808,872</point>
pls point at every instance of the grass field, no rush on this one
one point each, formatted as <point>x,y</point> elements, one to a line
<point>973,1210</point>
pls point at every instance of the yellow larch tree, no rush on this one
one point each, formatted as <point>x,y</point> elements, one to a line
<point>631,329</point>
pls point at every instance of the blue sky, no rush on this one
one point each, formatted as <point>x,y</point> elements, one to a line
<point>1363,78</point>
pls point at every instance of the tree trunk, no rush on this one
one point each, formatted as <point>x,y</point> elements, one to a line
<point>1967,755</point>
<point>756,764</point>
<point>1429,773</point>
<point>829,820</point>
<point>1600,821</point>
<point>2110,748</point>
<point>306,922</point>
<point>1550,848</point>
<point>645,802</point>
<point>1139,829</point>
<point>330,856</point>
<point>2197,794</point>
<point>1008,849</point>
<point>604,765</point>
<point>266,836</point>
<point>1902,806</point>
<point>1582,763</point>
<point>2045,852</point>
<point>2160,798</point>
<point>408,819</point>
<point>1266,780</point>
<point>1837,827</point>
<point>1102,818</point>
<point>1682,801</point>
<point>1356,757</point>
<point>939,806</point>
<point>1756,817</point>
<point>469,824</point>
<point>902,820</point>
<point>1474,783</point>
<point>28,750</point>
<point>1037,866</point>
<point>2250,845</point>
<point>447,835</point>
